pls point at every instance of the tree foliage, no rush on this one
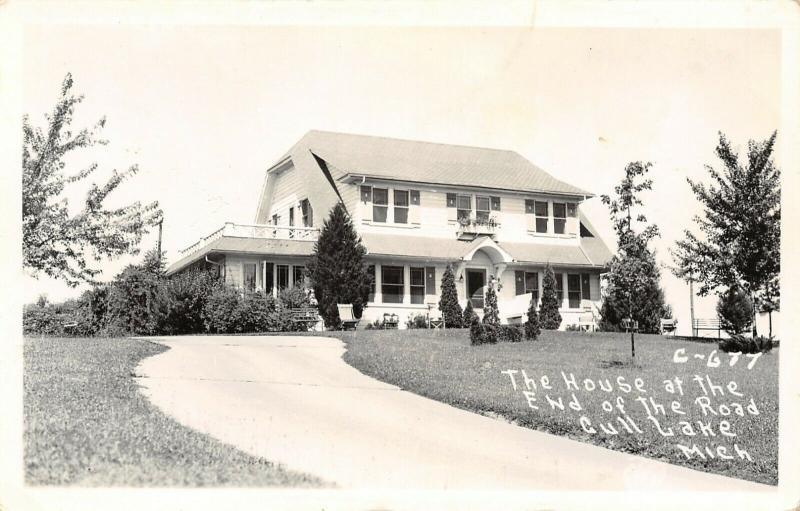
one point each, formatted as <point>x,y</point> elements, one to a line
<point>633,287</point>
<point>739,240</point>
<point>55,241</point>
<point>549,317</point>
<point>138,301</point>
<point>532,325</point>
<point>336,268</point>
<point>448,301</point>
<point>735,311</point>
<point>469,316</point>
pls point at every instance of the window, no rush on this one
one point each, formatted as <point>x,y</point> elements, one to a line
<point>495,203</point>
<point>308,215</point>
<point>451,200</point>
<point>283,276</point>
<point>541,212</point>
<point>417,285</point>
<point>298,275</point>
<point>559,217</point>
<point>586,233</point>
<point>574,290</point>
<point>414,197</point>
<point>400,206</point>
<point>291,217</point>
<point>585,288</point>
<point>572,209</point>
<point>371,273</point>
<point>249,276</point>
<point>268,282</point>
<point>482,205</point>
<point>464,208</point>
<point>366,193</point>
<point>532,285</point>
<point>380,204</point>
<point>392,284</point>
<point>560,288</point>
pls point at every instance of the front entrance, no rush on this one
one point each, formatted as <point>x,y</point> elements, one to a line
<point>476,280</point>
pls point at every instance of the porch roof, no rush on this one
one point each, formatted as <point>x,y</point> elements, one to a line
<point>237,245</point>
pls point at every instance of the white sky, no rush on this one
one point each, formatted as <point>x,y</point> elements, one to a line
<point>205,110</point>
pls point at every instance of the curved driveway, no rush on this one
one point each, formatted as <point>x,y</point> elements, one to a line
<point>293,400</point>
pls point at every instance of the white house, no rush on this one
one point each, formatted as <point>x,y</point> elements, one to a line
<point>418,207</point>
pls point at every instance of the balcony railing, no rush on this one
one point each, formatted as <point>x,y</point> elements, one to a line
<point>476,226</point>
<point>270,232</point>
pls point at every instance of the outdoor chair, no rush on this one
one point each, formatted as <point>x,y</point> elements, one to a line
<point>630,325</point>
<point>390,321</point>
<point>349,321</point>
<point>307,317</point>
<point>668,326</point>
<point>587,323</point>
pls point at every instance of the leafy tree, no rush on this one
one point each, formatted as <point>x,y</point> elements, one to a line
<point>470,317</point>
<point>740,225</point>
<point>55,241</point>
<point>448,302</point>
<point>549,316</point>
<point>337,270</point>
<point>491,314</point>
<point>137,301</point>
<point>532,325</point>
<point>633,282</point>
<point>735,311</point>
<point>187,294</point>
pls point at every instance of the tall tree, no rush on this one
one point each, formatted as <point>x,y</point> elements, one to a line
<point>55,241</point>
<point>491,312</point>
<point>448,302</point>
<point>740,225</point>
<point>633,283</point>
<point>336,268</point>
<point>549,317</point>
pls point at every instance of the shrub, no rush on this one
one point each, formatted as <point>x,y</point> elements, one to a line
<point>222,308</point>
<point>740,343</point>
<point>297,297</point>
<point>549,317</point>
<point>418,321</point>
<point>375,325</point>
<point>532,326</point>
<point>137,301</point>
<point>735,311</point>
<point>509,333</point>
<point>187,294</point>
<point>573,328</point>
<point>41,320</point>
<point>470,317</point>
<point>491,314</point>
<point>448,302</point>
<point>337,268</point>
<point>93,314</point>
<point>483,333</point>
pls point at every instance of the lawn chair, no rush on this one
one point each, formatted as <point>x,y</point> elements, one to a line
<point>629,325</point>
<point>390,321</point>
<point>668,326</point>
<point>586,322</point>
<point>349,321</point>
<point>435,322</point>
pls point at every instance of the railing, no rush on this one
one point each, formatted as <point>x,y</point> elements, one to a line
<point>275,232</point>
<point>477,226</point>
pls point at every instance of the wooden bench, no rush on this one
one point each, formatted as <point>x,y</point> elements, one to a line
<point>706,324</point>
<point>668,325</point>
<point>349,321</point>
<point>69,328</point>
<point>306,316</point>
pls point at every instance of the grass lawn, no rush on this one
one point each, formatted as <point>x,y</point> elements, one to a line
<point>87,424</point>
<point>443,366</point>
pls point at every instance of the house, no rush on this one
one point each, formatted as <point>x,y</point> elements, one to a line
<point>418,207</point>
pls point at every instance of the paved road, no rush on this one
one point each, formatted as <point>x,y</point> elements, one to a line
<point>294,400</point>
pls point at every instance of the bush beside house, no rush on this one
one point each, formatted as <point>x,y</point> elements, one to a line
<point>549,317</point>
<point>532,326</point>
<point>448,302</point>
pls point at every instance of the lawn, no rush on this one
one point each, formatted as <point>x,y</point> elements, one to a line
<point>87,424</point>
<point>443,366</point>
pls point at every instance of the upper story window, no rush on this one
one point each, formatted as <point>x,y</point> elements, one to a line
<point>464,207</point>
<point>401,206</point>
<point>380,204</point>
<point>559,217</point>
<point>482,208</point>
<point>307,213</point>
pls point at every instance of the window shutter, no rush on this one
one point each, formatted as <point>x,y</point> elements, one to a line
<point>430,280</point>
<point>529,206</point>
<point>495,203</point>
<point>519,281</point>
<point>366,203</point>
<point>414,194</point>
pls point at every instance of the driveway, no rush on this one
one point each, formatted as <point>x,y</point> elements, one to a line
<point>293,400</point>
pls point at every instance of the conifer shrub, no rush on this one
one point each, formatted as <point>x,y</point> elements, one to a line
<point>491,314</point>
<point>741,344</point>
<point>532,326</point>
<point>483,333</point>
<point>470,317</point>
<point>448,302</point>
<point>509,333</point>
<point>549,317</point>
<point>735,311</point>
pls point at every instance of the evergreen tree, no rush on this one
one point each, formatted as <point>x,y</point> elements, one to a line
<point>491,314</point>
<point>735,311</point>
<point>549,316</point>
<point>470,317</point>
<point>532,326</point>
<point>336,268</point>
<point>56,241</point>
<point>633,283</point>
<point>741,224</point>
<point>448,302</point>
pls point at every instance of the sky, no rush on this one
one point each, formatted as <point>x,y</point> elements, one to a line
<point>205,110</point>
